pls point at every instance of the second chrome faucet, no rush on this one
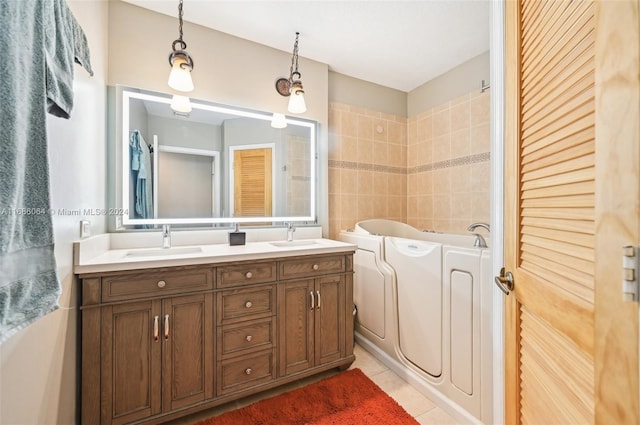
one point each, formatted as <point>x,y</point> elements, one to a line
<point>166,236</point>
<point>290,230</point>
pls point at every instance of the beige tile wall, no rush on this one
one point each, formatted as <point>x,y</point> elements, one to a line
<point>448,168</point>
<point>367,166</point>
<point>430,171</point>
<point>298,172</point>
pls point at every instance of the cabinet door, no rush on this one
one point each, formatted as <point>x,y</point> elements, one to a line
<point>131,357</point>
<point>330,319</point>
<point>296,311</point>
<point>188,364</point>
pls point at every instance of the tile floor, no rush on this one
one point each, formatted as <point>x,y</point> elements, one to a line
<point>417,405</point>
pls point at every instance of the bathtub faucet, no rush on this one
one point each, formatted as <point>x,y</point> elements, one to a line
<point>480,242</point>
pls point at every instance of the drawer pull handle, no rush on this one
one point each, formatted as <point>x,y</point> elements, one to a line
<point>318,293</point>
<point>313,301</point>
<point>316,267</point>
<point>248,371</point>
<point>155,328</point>
<point>248,304</point>
<point>161,284</point>
<point>248,275</point>
<point>166,326</point>
<point>248,338</point>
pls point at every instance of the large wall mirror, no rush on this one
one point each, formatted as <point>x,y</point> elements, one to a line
<point>214,164</point>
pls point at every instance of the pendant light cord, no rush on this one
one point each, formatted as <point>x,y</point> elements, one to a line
<point>180,19</point>
<point>183,45</point>
<point>294,59</point>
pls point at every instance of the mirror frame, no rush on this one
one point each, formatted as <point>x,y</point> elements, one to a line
<point>126,94</point>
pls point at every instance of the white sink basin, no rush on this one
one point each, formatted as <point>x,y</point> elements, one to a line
<point>163,252</point>
<point>287,244</point>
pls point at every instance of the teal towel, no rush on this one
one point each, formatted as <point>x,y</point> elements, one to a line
<point>40,40</point>
<point>65,43</point>
<point>141,165</point>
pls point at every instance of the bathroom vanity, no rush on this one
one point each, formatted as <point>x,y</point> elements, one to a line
<point>165,337</point>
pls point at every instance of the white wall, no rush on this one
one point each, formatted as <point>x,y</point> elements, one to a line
<point>353,91</point>
<point>458,81</point>
<point>228,70</point>
<point>38,365</point>
<point>454,83</point>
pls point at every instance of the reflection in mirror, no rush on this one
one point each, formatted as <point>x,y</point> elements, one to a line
<point>215,164</point>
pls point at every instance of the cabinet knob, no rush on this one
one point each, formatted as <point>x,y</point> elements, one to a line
<point>161,284</point>
<point>248,371</point>
<point>248,338</point>
<point>248,304</point>
<point>248,275</point>
<point>316,267</point>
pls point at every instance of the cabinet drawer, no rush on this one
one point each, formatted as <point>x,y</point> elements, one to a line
<point>246,337</point>
<point>142,285</point>
<point>250,303</point>
<point>246,371</point>
<point>246,274</point>
<point>311,267</point>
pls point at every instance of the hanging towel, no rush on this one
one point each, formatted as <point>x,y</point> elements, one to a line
<point>65,43</point>
<point>141,165</point>
<point>39,41</point>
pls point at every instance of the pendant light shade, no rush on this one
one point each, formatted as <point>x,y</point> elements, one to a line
<point>180,76</point>
<point>278,121</point>
<point>296,102</point>
<point>181,104</point>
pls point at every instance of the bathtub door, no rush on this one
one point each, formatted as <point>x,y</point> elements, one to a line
<point>571,204</point>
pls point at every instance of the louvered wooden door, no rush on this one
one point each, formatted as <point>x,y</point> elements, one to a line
<point>252,183</point>
<point>553,207</point>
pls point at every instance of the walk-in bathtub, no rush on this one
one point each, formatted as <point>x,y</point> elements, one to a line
<point>424,309</point>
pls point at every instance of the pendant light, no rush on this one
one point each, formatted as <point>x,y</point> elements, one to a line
<point>278,120</point>
<point>180,61</point>
<point>292,86</point>
<point>181,104</point>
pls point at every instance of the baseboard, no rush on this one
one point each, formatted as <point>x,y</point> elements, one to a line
<point>426,389</point>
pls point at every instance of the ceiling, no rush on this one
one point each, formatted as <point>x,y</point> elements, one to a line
<point>398,44</point>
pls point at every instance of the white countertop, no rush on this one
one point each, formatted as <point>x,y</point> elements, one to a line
<point>94,255</point>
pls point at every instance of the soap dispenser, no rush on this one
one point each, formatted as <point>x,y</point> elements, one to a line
<point>237,237</point>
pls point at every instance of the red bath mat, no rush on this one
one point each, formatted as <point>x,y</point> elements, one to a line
<point>349,398</point>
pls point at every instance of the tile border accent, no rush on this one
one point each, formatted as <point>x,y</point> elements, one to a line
<point>363,166</point>
<point>464,160</point>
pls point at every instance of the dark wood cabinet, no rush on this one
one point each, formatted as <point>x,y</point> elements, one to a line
<point>157,356</point>
<point>330,324</point>
<point>188,347</point>
<point>296,316</point>
<point>163,343</point>
<point>131,362</point>
<point>313,314</point>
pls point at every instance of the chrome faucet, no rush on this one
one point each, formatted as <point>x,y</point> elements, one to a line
<point>290,230</point>
<point>479,242</point>
<point>166,236</point>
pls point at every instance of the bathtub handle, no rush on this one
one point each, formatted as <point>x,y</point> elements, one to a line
<point>313,301</point>
<point>504,281</point>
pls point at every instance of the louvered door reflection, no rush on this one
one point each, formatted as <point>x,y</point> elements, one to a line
<point>252,183</point>
<point>550,220</point>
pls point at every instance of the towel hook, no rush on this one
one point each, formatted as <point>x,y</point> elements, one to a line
<point>484,86</point>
